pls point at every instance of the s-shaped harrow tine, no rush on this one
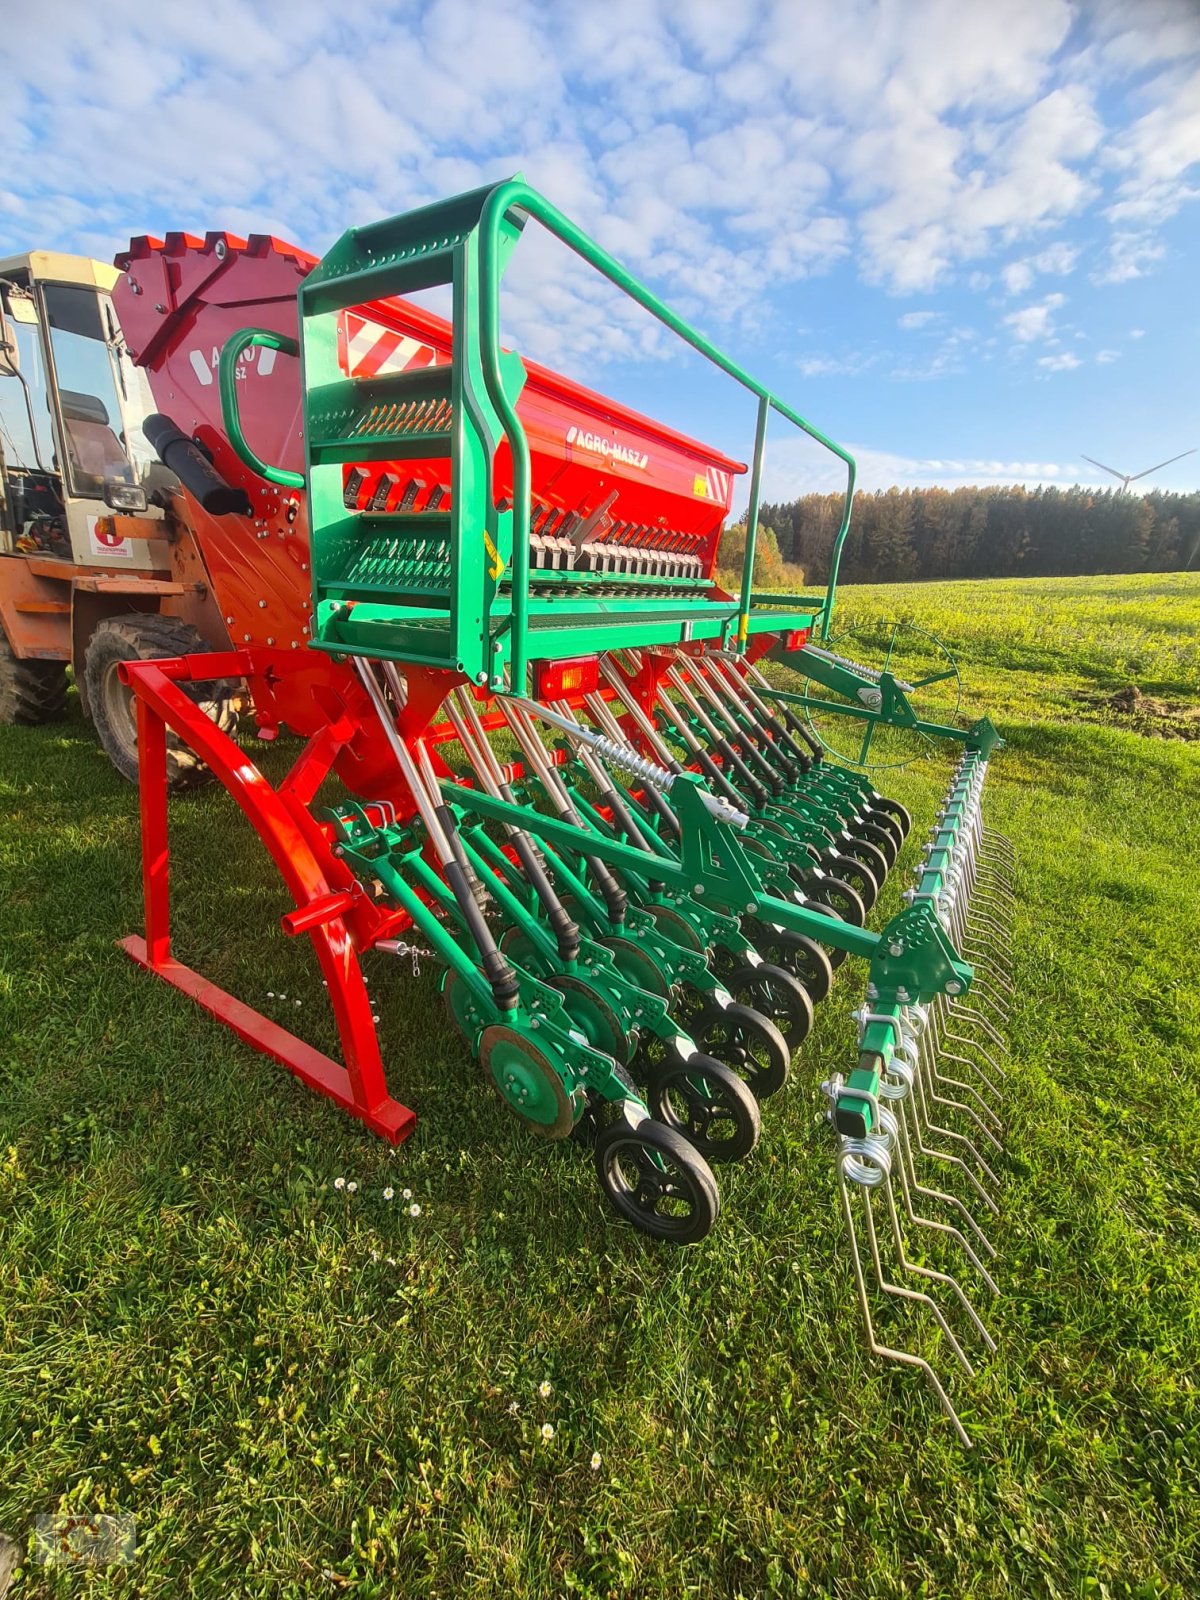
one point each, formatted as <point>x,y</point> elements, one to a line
<point>895,1088</point>
<point>863,1165</point>
<point>920,1038</point>
<point>912,1046</point>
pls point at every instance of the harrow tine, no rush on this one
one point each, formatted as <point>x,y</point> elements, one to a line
<point>865,1164</point>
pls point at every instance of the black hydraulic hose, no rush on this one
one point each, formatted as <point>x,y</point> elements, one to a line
<point>185,458</point>
<point>565,931</point>
<point>625,822</point>
<point>496,969</point>
<point>758,793</point>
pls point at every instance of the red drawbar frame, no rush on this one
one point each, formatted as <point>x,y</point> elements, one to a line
<point>330,905</point>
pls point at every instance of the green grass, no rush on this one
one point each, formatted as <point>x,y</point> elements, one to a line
<point>297,1392</point>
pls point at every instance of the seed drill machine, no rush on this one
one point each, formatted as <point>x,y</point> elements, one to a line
<point>571,766</point>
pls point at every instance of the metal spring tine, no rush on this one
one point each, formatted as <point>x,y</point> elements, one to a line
<point>913,1185</point>
<point>945,1156</point>
<point>996,901</point>
<point>974,1044</point>
<point>1003,978</point>
<point>889,1352</point>
<point>895,1088</point>
<point>940,1055</point>
<point>926,1095</point>
<point>961,1009</point>
<point>934,1276</point>
<point>870,1160</point>
<point>985,1110</point>
<point>931,1272</point>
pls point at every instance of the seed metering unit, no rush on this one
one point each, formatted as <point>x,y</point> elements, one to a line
<point>486,598</point>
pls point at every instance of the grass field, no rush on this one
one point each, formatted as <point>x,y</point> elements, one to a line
<point>299,1391</point>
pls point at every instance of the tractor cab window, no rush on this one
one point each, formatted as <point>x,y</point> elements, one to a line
<point>103,398</point>
<point>31,504</point>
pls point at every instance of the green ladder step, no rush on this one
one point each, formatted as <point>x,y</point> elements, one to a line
<point>399,416</point>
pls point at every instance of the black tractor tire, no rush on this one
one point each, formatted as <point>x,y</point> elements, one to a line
<point>145,636</point>
<point>31,691</point>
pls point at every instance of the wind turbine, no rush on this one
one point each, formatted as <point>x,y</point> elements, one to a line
<point>1132,477</point>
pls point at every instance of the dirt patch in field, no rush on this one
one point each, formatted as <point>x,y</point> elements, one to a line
<point>1142,713</point>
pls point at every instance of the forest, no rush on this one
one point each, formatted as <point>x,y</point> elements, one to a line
<point>902,535</point>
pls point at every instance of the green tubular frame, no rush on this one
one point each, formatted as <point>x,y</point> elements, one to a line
<point>517,196</point>
<point>231,353</point>
<point>468,625</point>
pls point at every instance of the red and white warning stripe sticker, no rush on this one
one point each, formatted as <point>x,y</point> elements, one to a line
<point>373,350</point>
<point>719,485</point>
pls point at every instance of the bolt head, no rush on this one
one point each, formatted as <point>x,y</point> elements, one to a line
<point>954,987</point>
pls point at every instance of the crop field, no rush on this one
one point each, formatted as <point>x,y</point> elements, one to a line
<point>299,1389</point>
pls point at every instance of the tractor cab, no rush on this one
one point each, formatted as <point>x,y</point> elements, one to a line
<point>73,456</point>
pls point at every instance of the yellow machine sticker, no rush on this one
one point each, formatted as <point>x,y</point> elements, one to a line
<point>700,485</point>
<point>497,566</point>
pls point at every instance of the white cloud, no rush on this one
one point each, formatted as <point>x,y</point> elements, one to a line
<point>725,151</point>
<point>1106,357</point>
<point>1058,260</point>
<point>1034,321</point>
<point>1137,333</point>
<point>1128,256</point>
<point>916,319</point>
<point>1063,362</point>
<point>793,470</point>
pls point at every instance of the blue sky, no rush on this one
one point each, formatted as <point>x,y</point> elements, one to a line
<point>959,235</point>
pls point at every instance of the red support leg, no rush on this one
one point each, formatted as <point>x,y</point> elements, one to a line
<point>152,796</point>
<point>313,876</point>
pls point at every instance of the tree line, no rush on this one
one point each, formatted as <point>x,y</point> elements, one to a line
<point>904,535</point>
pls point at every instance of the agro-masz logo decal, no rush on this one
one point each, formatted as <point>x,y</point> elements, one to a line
<point>600,446</point>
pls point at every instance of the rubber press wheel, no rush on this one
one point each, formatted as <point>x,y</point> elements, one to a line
<point>527,1081</point>
<point>892,808</point>
<point>850,870</point>
<point>749,1043</point>
<point>795,953</point>
<point>708,1104</point>
<point>837,897</point>
<point>868,830</point>
<point>657,1181</point>
<point>775,994</point>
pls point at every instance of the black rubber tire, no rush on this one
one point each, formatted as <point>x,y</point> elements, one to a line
<point>838,896</point>
<point>893,809</point>
<point>723,1123</point>
<point>636,1184</point>
<point>877,834</point>
<point>31,692</point>
<point>852,870</point>
<point>796,953</point>
<point>739,1037</point>
<point>777,995</point>
<point>872,855</point>
<point>145,636</point>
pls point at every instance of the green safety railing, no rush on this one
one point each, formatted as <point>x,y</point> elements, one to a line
<point>517,195</point>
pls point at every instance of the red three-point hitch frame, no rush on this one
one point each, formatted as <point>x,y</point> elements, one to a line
<point>329,905</point>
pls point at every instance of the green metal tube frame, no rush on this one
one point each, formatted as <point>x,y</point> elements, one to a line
<point>516,195</point>
<point>231,353</point>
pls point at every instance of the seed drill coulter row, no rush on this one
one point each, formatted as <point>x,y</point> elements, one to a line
<point>486,598</point>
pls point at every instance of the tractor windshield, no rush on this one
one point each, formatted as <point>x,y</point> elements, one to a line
<point>103,397</point>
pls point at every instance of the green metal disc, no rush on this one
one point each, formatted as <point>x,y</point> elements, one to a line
<point>519,947</point>
<point>527,1080</point>
<point>595,1018</point>
<point>636,964</point>
<point>676,926</point>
